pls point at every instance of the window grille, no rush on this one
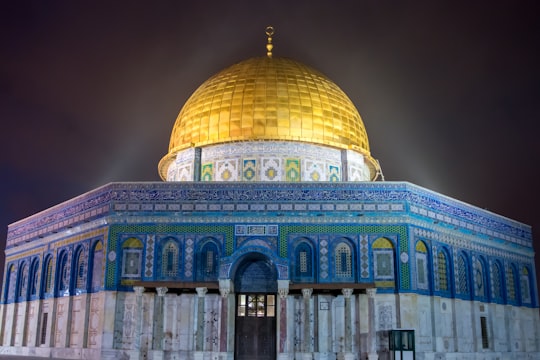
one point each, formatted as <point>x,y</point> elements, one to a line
<point>463,276</point>
<point>510,284</point>
<point>496,279</point>
<point>442,271</point>
<point>170,259</point>
<point>81,270</point>
<point>343,261</point>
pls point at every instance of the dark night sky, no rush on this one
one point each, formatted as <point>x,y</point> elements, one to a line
<point>449,91</point>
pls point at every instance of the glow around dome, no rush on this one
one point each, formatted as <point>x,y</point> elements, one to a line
<point>268,99</point>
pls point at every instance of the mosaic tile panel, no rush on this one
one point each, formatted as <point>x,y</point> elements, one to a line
<point>227,170</point>
<point>185,173</point>
<point>188,257</point>
<point>420,202</point>
<point>334,175</point>
<point>116,230</point>
<point>149,263</point>
<point>364,257</point>
<point>324,266</point>
<point>249,170</point>
<point>400,230</point>
<point>313,170</point>
<point>207,172</point>
<point>271,170</point>
<point>292,170</point>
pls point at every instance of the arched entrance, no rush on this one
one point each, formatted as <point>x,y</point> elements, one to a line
<point>255,285</point>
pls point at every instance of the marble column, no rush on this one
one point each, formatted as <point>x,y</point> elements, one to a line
<point>199,334</point>
<point>306,344</point>
<point>347,349</point>
<point>372,334</point>
<point>157,341</point>
<point>225,289</point>
<point>139,290</point>
<point>283,291</point>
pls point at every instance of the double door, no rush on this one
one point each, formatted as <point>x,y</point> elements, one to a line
<point>255,327</point>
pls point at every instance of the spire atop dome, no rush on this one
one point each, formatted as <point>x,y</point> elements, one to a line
<point>269,46</point>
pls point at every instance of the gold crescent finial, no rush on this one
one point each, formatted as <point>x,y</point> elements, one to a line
<point>269,45</point>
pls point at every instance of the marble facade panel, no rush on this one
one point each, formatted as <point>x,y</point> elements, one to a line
<point>78,321</point>
<point>464,328</point>
<point>95,320</point>
<point>32,321</point>
<point>8,323</point>
<point>20,322</point>
<point>146,322</point>
<point>184,339</point>
<point>498,330</point>
<point>443,324</point>
<point>324,317</point>
<point>61,322</point>
<point>212,310</point>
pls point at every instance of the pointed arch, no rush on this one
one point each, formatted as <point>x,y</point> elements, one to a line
<point>496,282</point>
<point>132,250</point>
<point>170,254</point>
<point>62,274</point>
<point>463,286</point>
<point>303,270</point>
<point>422,259</point>
<point>525,286</point>
<point>344,269</point>
<point>47,278</point>
<point>442,271</point>
<point>11,279</point>
<point>207,261</point>
<point>34,277</point>
<point>80,270</point>
<point>479,278</point>
<point>511,284</point>
<point>97,266</point>
<point>384,262</point>
<point>22,282</point>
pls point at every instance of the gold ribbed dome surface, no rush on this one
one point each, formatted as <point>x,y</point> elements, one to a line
<point>269,98</point>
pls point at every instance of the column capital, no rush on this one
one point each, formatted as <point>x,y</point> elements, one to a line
<point>201,291</point>
<point>307,293</point>
<point>224,292</point>
<point>161,291</point>
<point>283,288</point>
<point>138,290</point>
<point>371,292</point>
<point>347,292</point>
<point>225,287</point>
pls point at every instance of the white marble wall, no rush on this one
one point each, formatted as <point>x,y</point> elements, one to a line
<point>112,325</point>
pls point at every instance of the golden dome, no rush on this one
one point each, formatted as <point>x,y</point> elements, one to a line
<point>268,98</point>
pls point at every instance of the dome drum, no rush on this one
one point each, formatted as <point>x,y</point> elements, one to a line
<point>268,161</point>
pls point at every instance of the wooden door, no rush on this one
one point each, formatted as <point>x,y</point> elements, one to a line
<point>255,327</point>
